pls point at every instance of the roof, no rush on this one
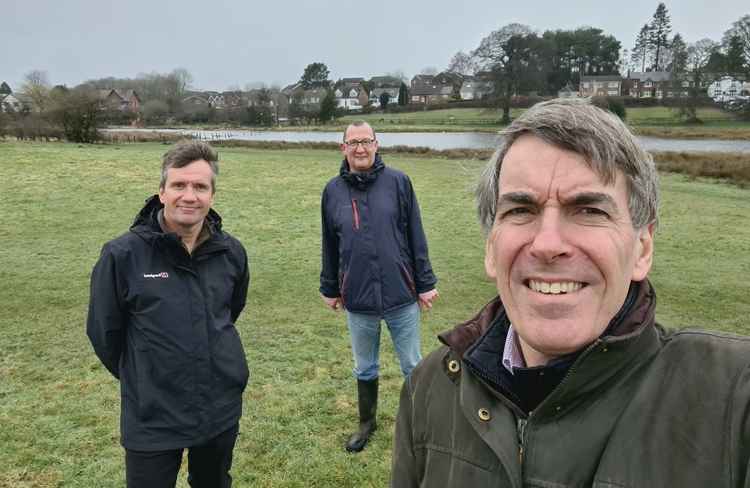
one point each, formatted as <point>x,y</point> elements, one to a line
<point>651,75</point>
<point>385,81</point>
<point>601,78</point>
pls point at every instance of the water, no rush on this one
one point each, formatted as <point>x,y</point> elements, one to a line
<point>444,140</point>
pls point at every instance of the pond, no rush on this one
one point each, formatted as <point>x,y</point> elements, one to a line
<point>442,140</point>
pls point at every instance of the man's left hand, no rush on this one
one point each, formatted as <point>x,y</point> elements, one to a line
<point>426,299</point>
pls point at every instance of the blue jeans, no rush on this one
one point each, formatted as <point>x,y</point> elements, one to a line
<point>364,330</point>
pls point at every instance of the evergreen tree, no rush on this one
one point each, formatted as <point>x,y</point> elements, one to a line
<point>5,89</point>
<point>735,56</point>
<point>640,52</point>
<point>659,30</point>
<point>327,107</point>
<point>403,94</point>
<point>679,54</point>
<point>384,99</point>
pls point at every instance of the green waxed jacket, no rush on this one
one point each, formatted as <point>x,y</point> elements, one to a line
<point>641,408</point>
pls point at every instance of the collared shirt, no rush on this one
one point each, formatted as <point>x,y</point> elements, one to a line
<point>512,354</point>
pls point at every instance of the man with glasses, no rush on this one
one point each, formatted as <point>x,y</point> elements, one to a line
<point>375,264</point>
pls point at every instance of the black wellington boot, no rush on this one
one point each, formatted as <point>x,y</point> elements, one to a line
<point>368,406</point>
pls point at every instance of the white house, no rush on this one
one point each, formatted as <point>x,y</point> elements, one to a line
<point>727,88</point>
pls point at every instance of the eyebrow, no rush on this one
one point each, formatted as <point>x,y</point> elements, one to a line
<point>579,199</point>
<point>592,198</point>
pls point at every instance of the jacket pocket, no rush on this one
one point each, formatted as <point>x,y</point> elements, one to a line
<point>231,372</point>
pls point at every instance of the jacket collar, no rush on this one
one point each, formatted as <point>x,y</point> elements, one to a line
<point>147,226</point>
<point>362,181</point>
<point>637,312</point>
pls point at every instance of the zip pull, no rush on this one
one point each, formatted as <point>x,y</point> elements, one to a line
<point>355,213</point>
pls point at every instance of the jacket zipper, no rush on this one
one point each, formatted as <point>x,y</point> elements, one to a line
<point>521,438</point>
<point>355,213</point>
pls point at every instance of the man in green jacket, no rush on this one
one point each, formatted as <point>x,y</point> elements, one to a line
<point>565,379</point>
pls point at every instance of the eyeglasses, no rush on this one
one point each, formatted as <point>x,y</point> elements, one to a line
<point>364,142</point>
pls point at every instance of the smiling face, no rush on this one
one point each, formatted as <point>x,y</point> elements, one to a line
<point>562,249</point>
<point>360,157</point>
<point>187,196</point>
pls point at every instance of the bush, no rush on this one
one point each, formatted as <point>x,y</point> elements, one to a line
<point>614,104</point>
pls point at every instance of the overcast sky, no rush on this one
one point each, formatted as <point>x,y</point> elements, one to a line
<point>230,43</point>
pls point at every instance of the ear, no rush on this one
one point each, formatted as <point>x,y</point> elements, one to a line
<point>489,256</point>
<point>644,253</point>
<point>342,146</point>
<point>161,194</point>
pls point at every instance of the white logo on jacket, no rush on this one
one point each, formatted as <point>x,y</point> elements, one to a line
<point>163,275</point>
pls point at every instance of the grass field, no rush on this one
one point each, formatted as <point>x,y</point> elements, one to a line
<point>652,121</point>
<point>59,408</point>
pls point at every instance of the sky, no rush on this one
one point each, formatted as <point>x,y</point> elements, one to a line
<point>231,43</point>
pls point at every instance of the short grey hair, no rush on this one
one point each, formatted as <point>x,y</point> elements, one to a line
<point>604,141</point>
<point>186,152</point>
<point>358,123</point>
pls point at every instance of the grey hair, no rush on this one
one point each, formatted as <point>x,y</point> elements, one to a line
<point>604,141</point>
<point>358,123</point>
<point>186,152</point>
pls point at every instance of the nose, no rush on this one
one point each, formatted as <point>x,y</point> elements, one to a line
<point>189,193</point>
<point>549,242</point>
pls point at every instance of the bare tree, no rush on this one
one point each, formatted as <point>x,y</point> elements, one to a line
<point>741,30</point>
<point>463,64</point>
<point>36,86</point>
<point>698,56</point>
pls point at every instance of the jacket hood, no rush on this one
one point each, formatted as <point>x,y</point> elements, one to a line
<point>636,313</point>
<point>361,181</point>
<point>146,222</point>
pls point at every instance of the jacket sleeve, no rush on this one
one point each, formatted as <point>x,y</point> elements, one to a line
<point>105,325</point>
<point>424,278</point>
<point>239,294</point>
<point>329,280</point>
<point>404,463</point>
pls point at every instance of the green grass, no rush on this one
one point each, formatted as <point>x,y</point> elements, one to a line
<point>59,408</point>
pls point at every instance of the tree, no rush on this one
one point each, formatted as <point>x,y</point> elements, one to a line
<point>740,29</point>
<point>659,30</point>
<point>641,50</point>
<point>36,87</point>
<point>77,111</point>
<point>5,89</point>
<point>384,99</point>
<point>584,51</point>
<point>429,70</point>
<point>736,62</point>
<point>403,94</point>
<point>698,57</point>
<point>315,76</point>
<point>327,107</point>
<point>679,54</point>
<point>462,64</point>
<point>511,55</point>
<point>155,112</point>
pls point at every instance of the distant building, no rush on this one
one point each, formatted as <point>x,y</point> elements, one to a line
<point>651,84</point>
<point>476,87</point>
<point>727,88</point>
<point>601,86</point>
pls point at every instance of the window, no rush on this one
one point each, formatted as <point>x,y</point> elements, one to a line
<point>585,84</point>
<point>612,93</point>
<point>647,84</point>
<point>658,93</point>
<point>612,84</point>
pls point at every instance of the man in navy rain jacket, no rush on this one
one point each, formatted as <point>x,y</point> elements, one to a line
<point>375,264</point>
<point>164,300</point>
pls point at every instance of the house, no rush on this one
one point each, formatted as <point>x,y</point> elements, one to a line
<point>427,89</point>
<point>652,84</point>
<point>727,88</point>
<point>600,86</point>
<point>476,88</point>
<point>119,100</point>
<point>350,93</point>
<point>384,84</point>
<point>11,103</point>
<point>567,91</point>
<point>195,102</point>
